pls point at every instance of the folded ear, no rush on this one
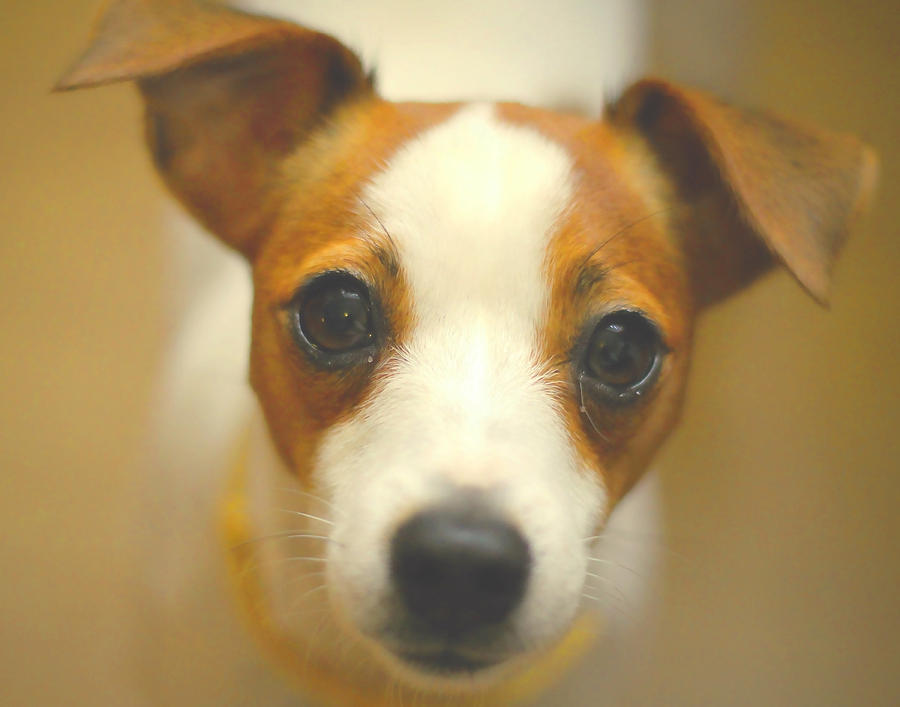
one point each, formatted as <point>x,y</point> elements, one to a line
<point>752,185</point>
<point>228,95</point>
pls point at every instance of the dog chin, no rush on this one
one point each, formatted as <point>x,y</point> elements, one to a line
<point>468,663</point>
<point>445,665</point>
<point>447,668</point>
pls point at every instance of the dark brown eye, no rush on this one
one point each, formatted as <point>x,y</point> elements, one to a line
<point>334,314</point>
<point>623,354</point>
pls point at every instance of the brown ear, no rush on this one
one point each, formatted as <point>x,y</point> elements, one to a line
<point>754,184</point>
<point>227,94</point>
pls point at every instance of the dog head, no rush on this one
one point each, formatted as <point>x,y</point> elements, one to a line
<point>472,323</point>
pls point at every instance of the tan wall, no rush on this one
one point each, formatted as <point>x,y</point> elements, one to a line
<point>782,484</point>
<point>79,285</point>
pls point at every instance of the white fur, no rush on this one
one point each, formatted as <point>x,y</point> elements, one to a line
<point>470,205</point>
<point>193,648</point>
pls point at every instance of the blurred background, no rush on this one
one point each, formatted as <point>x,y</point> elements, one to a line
<point>780,489</point>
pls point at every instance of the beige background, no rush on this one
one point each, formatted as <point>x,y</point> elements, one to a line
<point>781,486</point>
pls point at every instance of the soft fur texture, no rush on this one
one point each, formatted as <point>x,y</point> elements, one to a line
<point>465,402</point>
<point>493,238</point>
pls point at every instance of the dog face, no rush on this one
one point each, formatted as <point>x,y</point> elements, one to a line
<point>472,323</point>
<point>469,343</point>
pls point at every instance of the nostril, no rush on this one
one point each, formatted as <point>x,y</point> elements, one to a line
<point>459,568</point>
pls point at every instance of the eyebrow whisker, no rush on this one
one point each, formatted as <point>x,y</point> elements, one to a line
<point>375,216</point>
<point>388,256</point>
<point>619,233</point>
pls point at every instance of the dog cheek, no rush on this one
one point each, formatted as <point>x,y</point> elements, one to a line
<point>562,516</point>
<point>357,575</point>
<point>301,404</point>
<point>368,494</point>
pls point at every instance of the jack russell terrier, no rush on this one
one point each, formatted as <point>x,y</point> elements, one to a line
<point>471,329</point>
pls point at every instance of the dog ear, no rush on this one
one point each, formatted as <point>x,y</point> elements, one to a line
<point>754,186</point>
<point>227,94</point>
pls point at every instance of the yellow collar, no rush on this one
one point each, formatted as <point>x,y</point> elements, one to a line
<point>327,687</point>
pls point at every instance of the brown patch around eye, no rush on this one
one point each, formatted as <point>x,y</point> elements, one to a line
<point>590,275</point>
<point>612,253</point>
<point>304,395</point>
<point>326,226</point>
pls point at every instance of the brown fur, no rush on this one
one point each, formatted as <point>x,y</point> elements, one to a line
<point>795,188</point>
<point>266,132</point>
<point>228,97</point>
<point>317,230</point>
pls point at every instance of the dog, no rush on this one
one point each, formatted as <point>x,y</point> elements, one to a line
<point>470,332</point>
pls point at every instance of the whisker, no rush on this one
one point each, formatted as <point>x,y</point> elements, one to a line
<point>601,602</point>
<point>286,535</point>
<point>612,529</point>
<point>621,232</point>
<point>618,592</point>
<point>290,583</point>
<point>279,561</point>
<point>606,580</point>
<point>584,411</point>
<point>303,514</point>
<point>621,535</point>
<point>387,234</point>
<point>306,575</point>
<point>309,495</point>
<point>284,560</point>
<point>296,607</point>
<point>305,594</point>
<point>615,266</point>
<point>617,565</point>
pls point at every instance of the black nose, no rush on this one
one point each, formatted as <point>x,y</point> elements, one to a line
<point>458,569</point>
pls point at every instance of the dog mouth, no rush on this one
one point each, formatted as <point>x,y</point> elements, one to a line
<point>458,657</point>
<point>447,662</point>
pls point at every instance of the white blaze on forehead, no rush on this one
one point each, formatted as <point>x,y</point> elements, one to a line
<point>470,205</point>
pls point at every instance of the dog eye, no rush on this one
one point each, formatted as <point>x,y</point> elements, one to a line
<point>334,314</point>
<point>623,355</point>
